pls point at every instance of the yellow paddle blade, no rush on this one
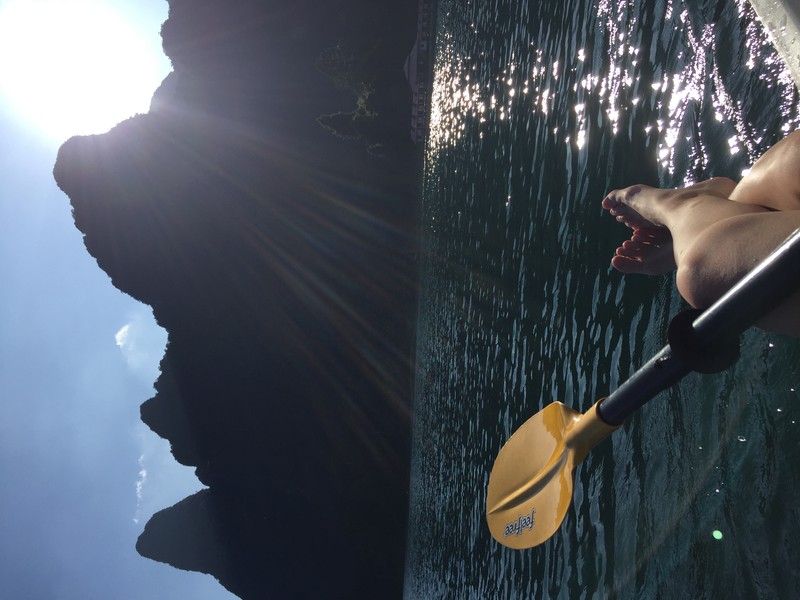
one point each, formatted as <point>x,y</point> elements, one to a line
<point>530,487</point>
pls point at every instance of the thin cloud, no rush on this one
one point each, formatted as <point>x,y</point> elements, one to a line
<point>139,487</point>
<point>121,337</point>
<point>142,343</point>
<point>162,481</point>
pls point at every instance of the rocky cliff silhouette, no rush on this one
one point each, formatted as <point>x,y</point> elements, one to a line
<point>279,259</point>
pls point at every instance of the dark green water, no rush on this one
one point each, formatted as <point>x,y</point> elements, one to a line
<point>539,109</point>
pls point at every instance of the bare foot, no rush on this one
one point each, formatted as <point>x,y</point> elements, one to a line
<point>642,206</point>
<point>638,206</point>
<point>649,251</point>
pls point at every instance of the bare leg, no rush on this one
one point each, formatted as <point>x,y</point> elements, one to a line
<point>685,213</point>
<point>717,230</point>
<point>650,249</point>
<point>774,180</point>
<point>715,241</point>
<point>726,251</point>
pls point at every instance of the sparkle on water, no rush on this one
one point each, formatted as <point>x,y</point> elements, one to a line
<point>459,97</point>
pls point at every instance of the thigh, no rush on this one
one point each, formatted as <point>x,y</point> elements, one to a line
<point>774,180</point>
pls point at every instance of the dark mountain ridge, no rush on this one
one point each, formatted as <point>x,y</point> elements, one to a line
<point>279,259</point>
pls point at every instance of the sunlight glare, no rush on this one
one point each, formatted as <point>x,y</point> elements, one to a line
<point>70,67</point>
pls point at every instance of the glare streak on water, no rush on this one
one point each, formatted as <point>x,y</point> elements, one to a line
<point>538,109</point>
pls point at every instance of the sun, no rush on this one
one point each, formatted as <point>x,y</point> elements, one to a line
<point>77,67</point>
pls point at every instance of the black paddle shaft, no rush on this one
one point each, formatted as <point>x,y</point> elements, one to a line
<point>710,342</point>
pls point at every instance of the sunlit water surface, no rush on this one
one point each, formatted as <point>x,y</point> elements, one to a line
<point>540,108</point>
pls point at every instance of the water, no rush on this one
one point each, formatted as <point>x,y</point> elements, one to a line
<point>539,109</point>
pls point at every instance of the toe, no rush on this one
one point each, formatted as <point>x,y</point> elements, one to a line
<point>625,264</point>
<point>609,202</point>
<point>642,235</point>
<point>630,250</point>
<point>630,245</point>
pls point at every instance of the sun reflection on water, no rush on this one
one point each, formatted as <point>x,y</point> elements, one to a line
<point>603,82</point>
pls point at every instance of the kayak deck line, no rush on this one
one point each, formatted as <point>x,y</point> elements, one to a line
<point>781,19</point>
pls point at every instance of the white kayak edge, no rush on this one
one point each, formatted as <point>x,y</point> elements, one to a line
<point>781,19</point>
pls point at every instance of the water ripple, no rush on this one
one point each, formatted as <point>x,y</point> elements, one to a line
<point>538,110</point>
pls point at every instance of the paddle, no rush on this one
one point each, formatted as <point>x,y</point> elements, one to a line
<point>531,483</point>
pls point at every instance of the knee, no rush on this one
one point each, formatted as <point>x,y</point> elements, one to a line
<point>719,186</point>
<point>687,284</point>
<point>723,182</point>
<point>793,138</point>
<point>712,265</point>
<point>698,282</point>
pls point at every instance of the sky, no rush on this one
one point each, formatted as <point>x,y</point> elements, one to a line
<point>80,473</point>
